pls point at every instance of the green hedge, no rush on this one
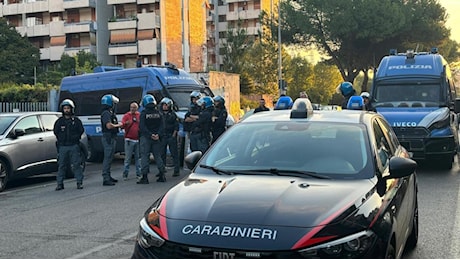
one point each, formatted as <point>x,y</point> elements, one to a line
<point>10,92</point>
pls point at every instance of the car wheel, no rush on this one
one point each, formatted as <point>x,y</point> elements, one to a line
<point>69,173</point>
<point>92,155</point>
<point>413,237</point>
<point>4,174</point>
<point>390,254</point>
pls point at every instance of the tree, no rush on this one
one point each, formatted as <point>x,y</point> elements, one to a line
<point>357,34</point>
<point>18,57</point>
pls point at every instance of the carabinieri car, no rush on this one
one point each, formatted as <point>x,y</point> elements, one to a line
<point>290,184</point>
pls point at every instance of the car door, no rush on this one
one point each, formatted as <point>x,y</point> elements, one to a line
<point>28,148</point>
<point>49,139</point>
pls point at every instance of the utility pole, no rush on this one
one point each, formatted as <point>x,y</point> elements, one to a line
<point>280,61</point>
<point>216,33</point>
<point>185,35</point>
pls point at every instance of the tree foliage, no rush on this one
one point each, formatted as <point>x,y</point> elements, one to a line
<point>18,57</point>
<point>356,34</point>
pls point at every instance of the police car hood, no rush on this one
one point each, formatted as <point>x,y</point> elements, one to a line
<point>262,208</point>
<point>413,117</point>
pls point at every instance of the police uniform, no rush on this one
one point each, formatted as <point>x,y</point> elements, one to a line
<point>201,131</point>
<point>219,125</point>
<point>194,110</point>
<point>68,132</point>
<point>151,122</point>
<point>109,142</point>
<point>171,126</point>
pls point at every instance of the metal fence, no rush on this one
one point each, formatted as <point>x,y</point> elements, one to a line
<point>23,106</point>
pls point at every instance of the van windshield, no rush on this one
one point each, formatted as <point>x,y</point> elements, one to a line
<point>410,95</point>
<point>181,95</point>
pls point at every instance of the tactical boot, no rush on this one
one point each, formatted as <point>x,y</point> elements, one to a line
<point>144,180</point>
<point>60,187</point>
<point>79,185</point>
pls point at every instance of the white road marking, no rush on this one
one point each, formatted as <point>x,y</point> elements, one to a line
<point>102,247</point>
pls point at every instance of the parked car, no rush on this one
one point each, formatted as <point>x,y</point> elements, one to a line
<point>28,145</point>
<point>290,184</point>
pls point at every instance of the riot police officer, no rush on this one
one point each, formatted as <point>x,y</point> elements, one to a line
<point>110,129</point>
<point>151,130</point>
<point>201,131</point>
<point>191,116</point>
<point>347,91</point>
<point>219,118</point>
<point>169,138</point>
<point>68,130</point>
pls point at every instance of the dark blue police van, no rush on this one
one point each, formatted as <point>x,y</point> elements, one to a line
<point>128,85</point>
<point>415,92</point>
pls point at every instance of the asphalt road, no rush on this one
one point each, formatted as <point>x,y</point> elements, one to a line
<point>102,221</point>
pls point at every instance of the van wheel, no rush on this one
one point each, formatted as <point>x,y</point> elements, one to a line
<point>92,155</point>
<point>4,174</point>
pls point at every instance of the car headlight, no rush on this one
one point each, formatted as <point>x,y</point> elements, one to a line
<point>348,247</point>
<point>443,123</point>
<point>147,237</point>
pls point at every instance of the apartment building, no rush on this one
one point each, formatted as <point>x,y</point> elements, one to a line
<point>226,14</point>
<point>59,26</point>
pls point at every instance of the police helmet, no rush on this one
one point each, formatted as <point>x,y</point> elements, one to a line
<point>195,94</point>
<point>148,99</point>
<point>219,99</point>
<point>284,102</point>
<point>166,101</point>
<point>67,102</point>
<point>365,94</point>
<point>206,101</point>
<point>356,103</point>
<point>346,88</point>
<point>109,100</point>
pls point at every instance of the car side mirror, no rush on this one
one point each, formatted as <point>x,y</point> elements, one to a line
<point>16,133</point>
<point>401,167</point>
<point>192,159</point>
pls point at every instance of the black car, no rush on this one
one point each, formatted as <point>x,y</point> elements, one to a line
<point>291,184</point>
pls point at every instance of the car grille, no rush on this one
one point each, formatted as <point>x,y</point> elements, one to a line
<point>408,132</point>
<point>172,250</point>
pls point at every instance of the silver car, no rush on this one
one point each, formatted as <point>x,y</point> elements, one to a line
<point>28,145</point>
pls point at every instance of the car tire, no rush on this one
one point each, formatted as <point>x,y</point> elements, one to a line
<point>92,155</point>
<point>390,253</point>
<point>413,237</point>
<point>4,174</point>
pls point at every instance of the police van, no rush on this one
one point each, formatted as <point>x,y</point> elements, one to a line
<point>415,92</point>
<point>128,85</point>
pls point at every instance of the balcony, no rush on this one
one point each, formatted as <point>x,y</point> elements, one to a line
<point>13,9</point>
<point>44,53</point>
<point>72,51</point>
<point>148,21</point>
<point>149,47</point>
<point>147,1</point>
<point>21,30</point>
<point>37,7</point>
<point>38,30</point>
<point>57,28</point>
<point>117,2</point>
<point>72,4</point>
<point>87,26</point>
<point>243,15</point>
<point>56,6</point>
<point>124,23</point>
<point>122,49</point>
<point>56,52</point>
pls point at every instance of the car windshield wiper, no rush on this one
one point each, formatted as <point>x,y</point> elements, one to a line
<point>294,173</point>
<point>216,170</point>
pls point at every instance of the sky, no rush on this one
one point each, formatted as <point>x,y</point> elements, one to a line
<point>453,19</point>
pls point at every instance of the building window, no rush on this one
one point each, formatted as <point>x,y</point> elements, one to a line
<point>222,18</point>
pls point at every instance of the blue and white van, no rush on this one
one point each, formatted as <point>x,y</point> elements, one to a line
<point>415,92</point>
<point>128,85</point>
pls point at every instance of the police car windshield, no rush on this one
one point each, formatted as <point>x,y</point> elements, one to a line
<point>335,150</point>
<point>411,95</point>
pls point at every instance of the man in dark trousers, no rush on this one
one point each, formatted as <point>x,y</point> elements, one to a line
<point>190,118</point>
<point>68,130</point>
<point>110,129</point>
<point>151,130</point>
<point>171,126</point>
<point>219,118</point>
